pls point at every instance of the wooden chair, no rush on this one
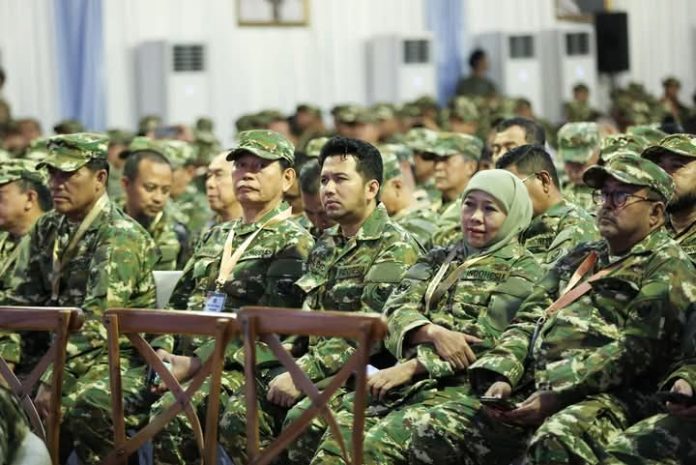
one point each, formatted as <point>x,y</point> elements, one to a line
<point>60,322</point>
<point>131,322</point>
<point>265,323</point>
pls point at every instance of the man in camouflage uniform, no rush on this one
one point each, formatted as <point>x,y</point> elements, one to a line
<point>219,190</point>
<point>456,161</point>
<point>357,122</point>
<point>147,182</point>
<point>397,195</point>
<point>436,335</point>
<point>513,132</point>
<point>420,141</point>
<point>353,268</point>
<point>264,274</point>
<point>676,154</point>
<point>463,116</point>
<point>85,253</point>
<point>578,147</point>
<point>579,110</point>
<point>118,142</point>
<point>313,209</point>
<point>24,197</point>
<point>387,123</point>
<point>558,225</point>
<point>585,368</point>
<point>189,205</point>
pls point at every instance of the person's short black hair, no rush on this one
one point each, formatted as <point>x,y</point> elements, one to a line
<point>132,165</point>
<point>42,192</point>
<point>529,159</point>
<point>476,56</point>
<point>533,132</point>
<point>368,161</point>
<point>309,177</point>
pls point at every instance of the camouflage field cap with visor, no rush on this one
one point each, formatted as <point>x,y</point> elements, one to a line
<point>390,161</point>
<point>70,152</point>
<point>315,145</point>
<point>451,143</point>
<point>634,170</point>
<point>420,139</point>
<point>16,169</point>
<point>678,144</point>
<point>265,144</point>
<point>578,141</point>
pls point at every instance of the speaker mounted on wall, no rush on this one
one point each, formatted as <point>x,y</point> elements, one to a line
<point>611,31</point>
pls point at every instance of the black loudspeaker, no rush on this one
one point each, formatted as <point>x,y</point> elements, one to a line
<point>611,30</point>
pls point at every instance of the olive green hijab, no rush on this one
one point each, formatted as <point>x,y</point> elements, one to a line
<point>512,196</point>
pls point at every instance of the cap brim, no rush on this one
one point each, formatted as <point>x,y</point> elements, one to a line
<point>579,155</point>
<point>235,153</point>
<point>67,164</point>
<point>654,152</point>
<point>595,176</point>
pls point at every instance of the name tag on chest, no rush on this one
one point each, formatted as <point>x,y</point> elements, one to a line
<point>215,302</point>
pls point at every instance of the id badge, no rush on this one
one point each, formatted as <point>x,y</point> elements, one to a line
<point>215,301</point>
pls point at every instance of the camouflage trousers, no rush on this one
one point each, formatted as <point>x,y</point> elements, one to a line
<point>658,440</point>
<point>460,432</point>
<point>87,421</point>
<point>388,425</point>
<point>13,426</point>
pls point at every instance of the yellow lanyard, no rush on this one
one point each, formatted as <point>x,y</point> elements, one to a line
<point>434,291</point>
<point>229,260</point>
<point>59,263</point>
<point>155,222</point>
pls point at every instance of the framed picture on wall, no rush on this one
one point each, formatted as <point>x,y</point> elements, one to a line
<point>273,12</point>
<point>580,10</point>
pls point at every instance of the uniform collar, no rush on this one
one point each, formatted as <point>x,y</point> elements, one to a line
<point>370,230</point>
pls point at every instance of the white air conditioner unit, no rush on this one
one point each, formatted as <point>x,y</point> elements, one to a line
<point>514,64</point>
<point>400,68</point>
<point>173,81</point>
<point>568,57</point>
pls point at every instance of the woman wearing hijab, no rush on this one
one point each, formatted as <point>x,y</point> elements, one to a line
<point>450,307</point>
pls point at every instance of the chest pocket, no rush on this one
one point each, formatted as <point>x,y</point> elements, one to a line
<point>76,275</point>
<point>205,268</point>
<point>346,292</point>
<point>614,293</point>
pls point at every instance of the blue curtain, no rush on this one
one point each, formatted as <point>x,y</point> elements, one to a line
<point>79,44</point>
<point>445,20</point>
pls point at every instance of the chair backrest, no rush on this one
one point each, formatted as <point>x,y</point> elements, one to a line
<point>265,324</point>
<point>132,323</point>
<point>61,322</point>
<point>165,281</point>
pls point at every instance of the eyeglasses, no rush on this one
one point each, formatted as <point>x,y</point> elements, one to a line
<point>618,199</point>
<point>528,177</point>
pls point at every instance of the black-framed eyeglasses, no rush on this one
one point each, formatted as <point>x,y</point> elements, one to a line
<point>618,199</point>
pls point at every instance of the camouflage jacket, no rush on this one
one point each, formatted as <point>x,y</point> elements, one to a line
<point>192,209</point>
<point>427,192</point>
<point>448,229</point>
<point>9,246</point>
<point>111,267</point>
<point>354,274</point>
<point>418,221</point>
<point>555,232</point>
<point>13,426</point>
<point>171,239</point>
<point>687,240</point>
<point>480,303</point>
<point>580,195</point>
<point>620,337</point>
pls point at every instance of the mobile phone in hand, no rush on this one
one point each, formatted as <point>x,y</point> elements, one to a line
<point>497,403</point>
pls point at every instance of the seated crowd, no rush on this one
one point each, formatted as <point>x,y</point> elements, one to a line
<point>538,286</point>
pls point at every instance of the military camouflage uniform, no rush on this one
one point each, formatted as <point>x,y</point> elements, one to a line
<point>13,426</point>
<point>602,355</point>
<point>354,274</point>
<point>685,146</point>
<point>577,142</point>
<point>481,303</point>
<point>555,232</point>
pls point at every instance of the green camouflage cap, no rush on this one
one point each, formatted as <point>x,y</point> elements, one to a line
<point>355,114</point>
<point>383,111</point>
<point>409,110</point>
<point>68,126</point>
<point>309,108</point>
<point>630,169</point>
<point>204,124</point>
<point>315,145</point>
<point>577,141</point>
<point>263,143</point>
<point>266,117</point>
<point>13,170</point>
<point>177,152</point>
<point>421,139</point>
<point>390,162</point>
<point>38,149</point>
<point>450,143</point>
<point>616,143</point>
<point>651,133</point>
<point>336,109</point>
<point>426,102</point>
<point>119,136</point>
<point>671,81</point>
<point>678,144</point>
<point>400,151</point>
<point>464,109</point>
<point>70,152</point>
<point>245,123</point>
